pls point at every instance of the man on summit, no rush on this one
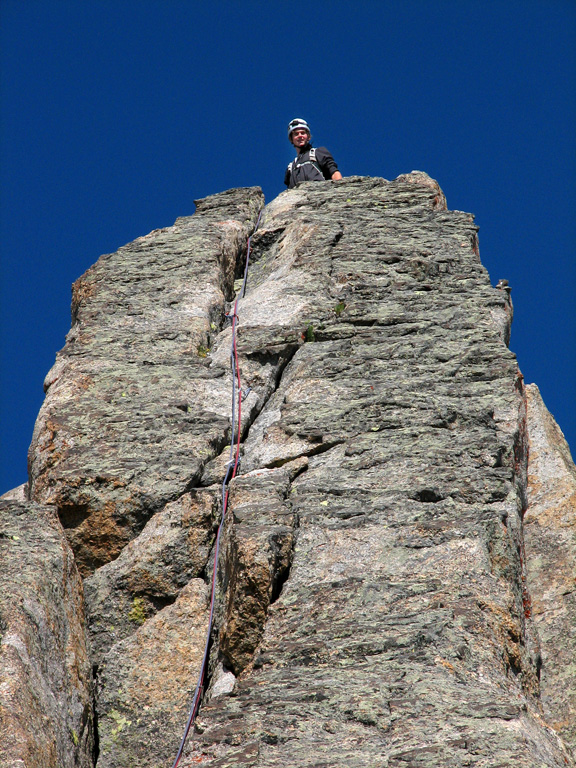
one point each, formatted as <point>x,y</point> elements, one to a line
<point>311,163</point>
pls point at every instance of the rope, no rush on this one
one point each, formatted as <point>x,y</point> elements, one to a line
<point>232,469</point>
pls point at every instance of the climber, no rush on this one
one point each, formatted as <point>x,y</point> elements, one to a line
<point>311,163</point>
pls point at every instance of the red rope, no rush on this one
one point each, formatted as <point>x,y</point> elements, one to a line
<point>236,384</point>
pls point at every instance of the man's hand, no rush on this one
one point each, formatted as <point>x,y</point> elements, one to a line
<point>336,176</point>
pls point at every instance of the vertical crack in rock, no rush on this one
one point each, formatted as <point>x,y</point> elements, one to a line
<point>96,747</point>
<point>261,374</point>
<point>256,560</point>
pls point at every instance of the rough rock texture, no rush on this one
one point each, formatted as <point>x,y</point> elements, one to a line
<point>373,605</point>
<point>46,716</point>
<point>132,411</point>
<point>144,683</point>
<point>151,570</point>
<point>400,636</point>
<point>550,536</point>
<point>257,560</point>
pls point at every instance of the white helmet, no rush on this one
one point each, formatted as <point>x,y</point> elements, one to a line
<point>297,123</point>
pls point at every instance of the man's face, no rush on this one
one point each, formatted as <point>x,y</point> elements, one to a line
<point>300,137</point>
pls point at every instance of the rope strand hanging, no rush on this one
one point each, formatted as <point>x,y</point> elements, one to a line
<point>232,469</point>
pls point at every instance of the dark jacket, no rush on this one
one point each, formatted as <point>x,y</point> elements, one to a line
<point>303,169</point>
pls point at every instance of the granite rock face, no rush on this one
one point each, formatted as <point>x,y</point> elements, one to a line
<point>46,712</point>
<point>400,636</point>
<point>135,411</point>
<point>144,683</point>
<point>172,549</point>
<point>132,409</point>
<point>550,536</point>
<point>376,603</point>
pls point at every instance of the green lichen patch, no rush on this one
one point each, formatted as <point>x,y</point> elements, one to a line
<point>138,611</point>
<point>120,720</point>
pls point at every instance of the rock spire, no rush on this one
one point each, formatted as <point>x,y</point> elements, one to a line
<point>395,585</point>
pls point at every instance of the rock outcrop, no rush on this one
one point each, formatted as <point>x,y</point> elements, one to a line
<point>550,536</point>
<point>46,713</point>
<point>133,408</point>
<point>387,590</point>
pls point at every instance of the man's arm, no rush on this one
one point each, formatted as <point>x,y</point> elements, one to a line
<point>327,164</point>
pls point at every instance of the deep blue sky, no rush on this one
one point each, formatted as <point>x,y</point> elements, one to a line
<point>116,115</point>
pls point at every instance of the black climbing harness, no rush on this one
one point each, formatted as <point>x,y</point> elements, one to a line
<point>307,170</point>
